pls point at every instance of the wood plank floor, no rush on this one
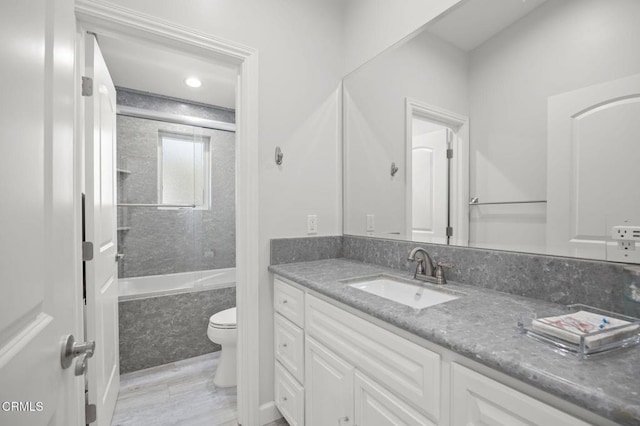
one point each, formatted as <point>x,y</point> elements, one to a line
<point>176,394</point>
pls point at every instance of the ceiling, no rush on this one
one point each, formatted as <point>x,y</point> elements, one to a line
<point>475,21</point>
<point>143,66</point>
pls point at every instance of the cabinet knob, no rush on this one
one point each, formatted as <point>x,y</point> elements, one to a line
<point>284,345</point>
<point>343,419</point>
<point>284,399</point>
<point>285,301</point>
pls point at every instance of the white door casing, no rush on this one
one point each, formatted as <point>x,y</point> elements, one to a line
<point>428,203</point>
<point>103,374</point>
<point>40,274</point>
<point>459,173</point>
<point>592,168</point>
<point>98,17</point>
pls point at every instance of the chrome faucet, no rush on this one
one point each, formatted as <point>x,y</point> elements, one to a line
<point>425,270</point>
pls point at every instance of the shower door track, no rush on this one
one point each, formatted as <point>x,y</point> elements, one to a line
<point>206,123</point>
<point>182,206</point>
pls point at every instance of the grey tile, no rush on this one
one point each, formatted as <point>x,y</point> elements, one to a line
<point>289,250</point>
<point>170,241</point>
<point>145,100</point>
<point>160,330</point>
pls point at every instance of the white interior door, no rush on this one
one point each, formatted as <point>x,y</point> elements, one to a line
<point>40,286</point>
<point>593,172</point>
<point>429,186</point>
<point>103,374</point>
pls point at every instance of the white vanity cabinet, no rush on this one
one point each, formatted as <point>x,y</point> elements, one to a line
<point>357,373</point>
<point>288,304</point>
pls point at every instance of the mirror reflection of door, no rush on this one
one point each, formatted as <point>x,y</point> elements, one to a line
<point>592,174</point>
<point>429,182</point>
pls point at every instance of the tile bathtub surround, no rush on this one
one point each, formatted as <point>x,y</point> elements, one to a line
<point>164,329</point>
<point>560,280</point>
<point>162,241</point>
<point>289,250</point>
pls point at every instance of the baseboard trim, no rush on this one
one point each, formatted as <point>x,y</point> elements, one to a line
<point>269,413</point>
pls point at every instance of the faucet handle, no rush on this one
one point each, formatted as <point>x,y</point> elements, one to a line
<point>439,273</point>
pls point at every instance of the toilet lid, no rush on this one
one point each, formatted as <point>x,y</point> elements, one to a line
<point>224,319</point>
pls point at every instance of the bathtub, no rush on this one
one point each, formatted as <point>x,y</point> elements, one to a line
<point>183,282</point>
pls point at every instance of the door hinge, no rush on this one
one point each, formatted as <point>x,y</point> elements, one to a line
<point>91,414</point>
<point>449,153</point>
<point>87,86</point>
<point>87,251</point>
<point>449,231</point>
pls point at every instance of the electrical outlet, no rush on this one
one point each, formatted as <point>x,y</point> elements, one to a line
<point>625,232</point>
<point>626,245</point>
<point>312,224</point>
<point>371,224</point>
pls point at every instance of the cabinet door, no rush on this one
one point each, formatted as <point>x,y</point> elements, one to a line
<point>479,400</point>
<point>328,387</point>
<point>376,406</point>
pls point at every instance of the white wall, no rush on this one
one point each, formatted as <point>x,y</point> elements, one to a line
<point>560,46</point>
<point>425,69</point>
<point>301,64</point>
<point>371,26</point>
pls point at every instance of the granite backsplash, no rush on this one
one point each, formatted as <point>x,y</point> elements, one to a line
<point>555,279</point>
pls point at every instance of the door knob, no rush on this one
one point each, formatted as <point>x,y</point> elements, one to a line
<point>72,349</point>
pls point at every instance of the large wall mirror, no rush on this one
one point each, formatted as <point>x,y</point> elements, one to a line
<point>503,124</point>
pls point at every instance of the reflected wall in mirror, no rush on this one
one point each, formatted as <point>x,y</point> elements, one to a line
<point>514,125</point>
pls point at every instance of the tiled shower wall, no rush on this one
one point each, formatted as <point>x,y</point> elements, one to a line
<point>161,241</point>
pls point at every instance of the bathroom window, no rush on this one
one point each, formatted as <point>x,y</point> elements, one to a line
<point>184,169</point>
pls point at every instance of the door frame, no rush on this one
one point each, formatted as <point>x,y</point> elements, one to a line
<point>459,173</point>
<point>99,17</point>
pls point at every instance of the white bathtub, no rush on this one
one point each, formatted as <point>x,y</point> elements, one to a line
<point>183,282</point>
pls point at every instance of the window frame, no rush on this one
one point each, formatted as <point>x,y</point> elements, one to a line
<point>205,140</point>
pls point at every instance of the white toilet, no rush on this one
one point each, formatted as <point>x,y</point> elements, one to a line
<point>222,330</point>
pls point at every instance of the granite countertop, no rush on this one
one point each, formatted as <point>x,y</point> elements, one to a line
<point>481,326</point>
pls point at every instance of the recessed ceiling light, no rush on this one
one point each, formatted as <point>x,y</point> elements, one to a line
<point>193,82</point>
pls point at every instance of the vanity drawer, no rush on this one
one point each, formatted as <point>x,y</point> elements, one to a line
<point>407,369</point>
<point>289,302</point>
<point>289,397</point>
<point>477,399</point>
<point>289,346</point>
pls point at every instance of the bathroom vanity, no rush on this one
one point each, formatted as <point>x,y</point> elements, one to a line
<point>347,357</point>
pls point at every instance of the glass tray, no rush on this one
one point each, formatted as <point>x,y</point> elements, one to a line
<point>581,348</point>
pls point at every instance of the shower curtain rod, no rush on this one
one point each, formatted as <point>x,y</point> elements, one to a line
<point>175,118</point>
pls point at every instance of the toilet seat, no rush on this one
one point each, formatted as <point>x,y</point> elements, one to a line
<point>224,319</point>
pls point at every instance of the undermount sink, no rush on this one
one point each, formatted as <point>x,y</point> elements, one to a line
<point>401,291</point>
